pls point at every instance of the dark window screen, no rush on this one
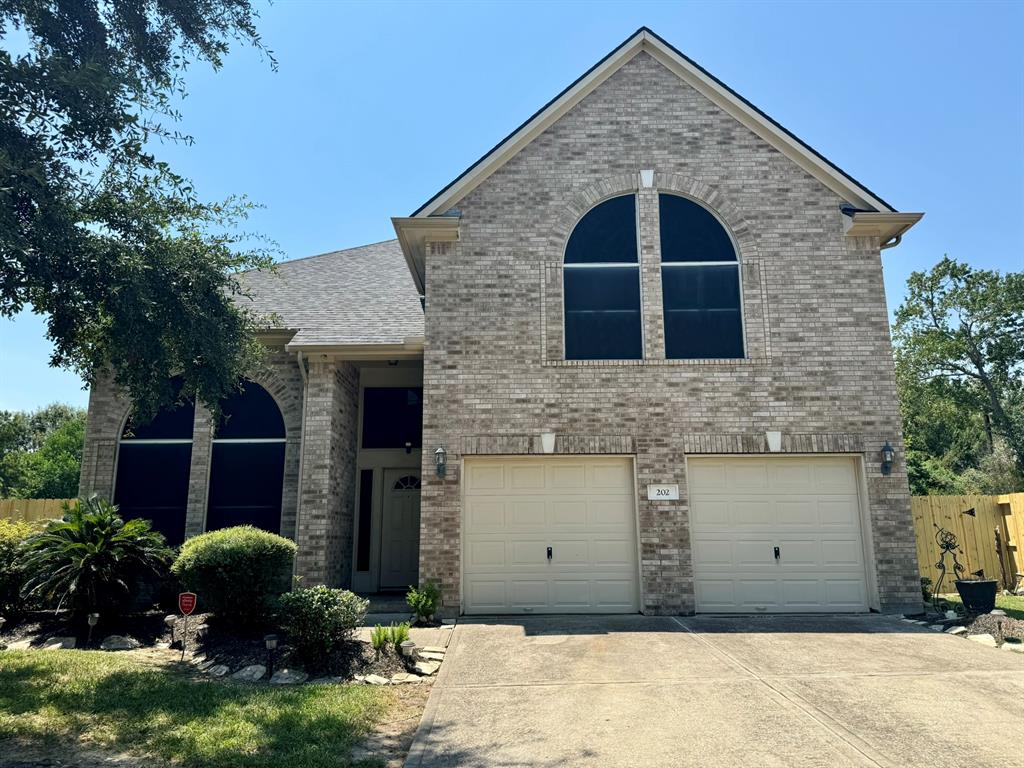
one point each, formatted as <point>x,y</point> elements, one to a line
<point>172,423</point>
<point>689,232</point>
<point>251,413</point>
<point>245,486</point>
<point>152,483</point>
<point>392,417</point>
<point>602,314</point>
<point>607,233</point>
<point>702,312</point>
<point>365,517</point>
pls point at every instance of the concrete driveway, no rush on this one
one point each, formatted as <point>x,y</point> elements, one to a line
<point>759,691</point>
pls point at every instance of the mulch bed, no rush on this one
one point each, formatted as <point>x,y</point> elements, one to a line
<point>207,640</point>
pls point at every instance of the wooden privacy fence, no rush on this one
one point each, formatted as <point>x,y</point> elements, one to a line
<point>976,521</point>
<point>30,510</point>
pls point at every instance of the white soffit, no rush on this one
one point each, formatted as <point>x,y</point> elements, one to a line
<point>690,72</point>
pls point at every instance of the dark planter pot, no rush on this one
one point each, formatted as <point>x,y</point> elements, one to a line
<point>978,596</point>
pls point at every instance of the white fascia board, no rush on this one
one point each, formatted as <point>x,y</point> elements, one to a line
<point>880,224</point>
<point>644,40</point>
<point>410,349</point>
<point>413,235</point>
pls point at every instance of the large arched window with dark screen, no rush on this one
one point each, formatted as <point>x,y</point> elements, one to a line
<point>247,463</point>
<point>700,283</point>
<point>602,284</point>
<point>153,463</point>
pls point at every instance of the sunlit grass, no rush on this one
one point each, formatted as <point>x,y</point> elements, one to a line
<point>117,702</point>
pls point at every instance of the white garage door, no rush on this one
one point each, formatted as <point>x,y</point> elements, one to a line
<point>776,534</point>
<point>579,509</point>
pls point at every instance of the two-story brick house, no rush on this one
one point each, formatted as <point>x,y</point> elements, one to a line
<point>652,372</point>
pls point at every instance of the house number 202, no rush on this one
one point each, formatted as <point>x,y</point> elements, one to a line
<point>662,492</point>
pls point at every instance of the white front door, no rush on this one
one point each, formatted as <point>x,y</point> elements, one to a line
<point>400,529</point>
<point>549,535</point>
<point>776,534</point>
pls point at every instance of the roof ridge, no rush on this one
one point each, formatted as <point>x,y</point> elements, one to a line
<point>332,253</point>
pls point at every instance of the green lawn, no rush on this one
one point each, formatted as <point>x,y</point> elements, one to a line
<point>117,702</point>
<point>1012,604</point>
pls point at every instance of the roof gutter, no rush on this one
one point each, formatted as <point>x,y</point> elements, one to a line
<point>415,233</point>
<point>888,227</point>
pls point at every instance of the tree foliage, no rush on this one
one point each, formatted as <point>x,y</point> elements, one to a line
<point>959,339</point>
<point>134,273</point>
<point>41,452</point>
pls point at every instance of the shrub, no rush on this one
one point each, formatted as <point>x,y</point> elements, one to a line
<point>425,601</point>
<point>238,573</point>
<point>319,619</point>
<point>12,572</point>
<point>91,559</point>
<point>399,634</point>
<point>926,589</point>
<point>379,638</point>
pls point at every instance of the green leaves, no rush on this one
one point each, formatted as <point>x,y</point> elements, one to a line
<point>91,558</point>
<point>135,274</point>
<point>41,452</point>
<point>959,338</point>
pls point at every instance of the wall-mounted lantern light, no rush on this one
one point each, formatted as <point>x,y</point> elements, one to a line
<point>888,456</point>
<point>441,461</point>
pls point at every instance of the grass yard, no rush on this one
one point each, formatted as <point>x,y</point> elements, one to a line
<point>125,703</point>
<point>1012,604</point>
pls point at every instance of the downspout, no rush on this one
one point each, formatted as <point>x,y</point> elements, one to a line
<point>302,455</point>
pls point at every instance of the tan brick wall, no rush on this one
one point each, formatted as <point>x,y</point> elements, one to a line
<point>819,364</point>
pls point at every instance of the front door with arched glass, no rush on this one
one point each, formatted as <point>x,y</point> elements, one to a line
<point>400,529</point>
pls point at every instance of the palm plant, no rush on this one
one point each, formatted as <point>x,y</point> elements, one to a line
<point>91,556</point>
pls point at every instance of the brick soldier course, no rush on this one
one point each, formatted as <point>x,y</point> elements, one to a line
<point>818,365</point>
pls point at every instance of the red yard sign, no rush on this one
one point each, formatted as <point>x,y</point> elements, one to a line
<point>187,602</point>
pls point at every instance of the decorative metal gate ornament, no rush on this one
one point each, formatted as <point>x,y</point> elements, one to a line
<point>949,544</point>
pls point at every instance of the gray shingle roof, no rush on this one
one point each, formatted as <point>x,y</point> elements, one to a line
<point>359,295</point>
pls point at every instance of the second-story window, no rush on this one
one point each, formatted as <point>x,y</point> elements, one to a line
<point>700,283</point>
<point>602,284</point>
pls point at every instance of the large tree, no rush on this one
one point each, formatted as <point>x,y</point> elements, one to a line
<point>41,452</point>
<point>134,273</point>
<point>960,362</point>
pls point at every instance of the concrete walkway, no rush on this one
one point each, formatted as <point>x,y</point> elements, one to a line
<point>759,691</point>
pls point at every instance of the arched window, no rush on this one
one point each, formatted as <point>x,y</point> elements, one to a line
<point>700,283</point>
<point>153,463</point>
<point>247,465</point>
<point>602,284</point>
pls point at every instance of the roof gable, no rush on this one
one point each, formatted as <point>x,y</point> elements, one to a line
<point>644,40</point>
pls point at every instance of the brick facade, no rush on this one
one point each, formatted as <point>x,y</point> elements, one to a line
<point>819,360</point>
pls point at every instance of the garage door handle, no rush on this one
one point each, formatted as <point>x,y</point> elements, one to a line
<point>776,553</point>
<point>549,553</point>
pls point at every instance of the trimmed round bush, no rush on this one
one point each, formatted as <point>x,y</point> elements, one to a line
<point>237,573</point>
<point>319,619</point>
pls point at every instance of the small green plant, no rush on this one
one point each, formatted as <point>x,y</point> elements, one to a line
<point>379,638</point>
<point>91,559</point>
<point>238,573</point>
<point>13,533</point>
<point>425,601</point>
<point>399,634</point>
<point>319,619</point>
<point>926,588</point>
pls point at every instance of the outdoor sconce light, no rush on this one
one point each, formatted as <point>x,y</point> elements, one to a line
<point>94,619</point>
<point>441,461</point>
<point>271,642</point>
<point>888,456</point>
<point>408,447</point>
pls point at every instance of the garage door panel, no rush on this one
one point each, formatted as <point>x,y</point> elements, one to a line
<point>485,514</point>
<point>808,507</point>
<point>485,554</point>
<point>485,477</point>
<point>528,593</point>
<point>585,512</point>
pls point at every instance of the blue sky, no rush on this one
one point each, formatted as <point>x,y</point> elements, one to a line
<point>377,106</point>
